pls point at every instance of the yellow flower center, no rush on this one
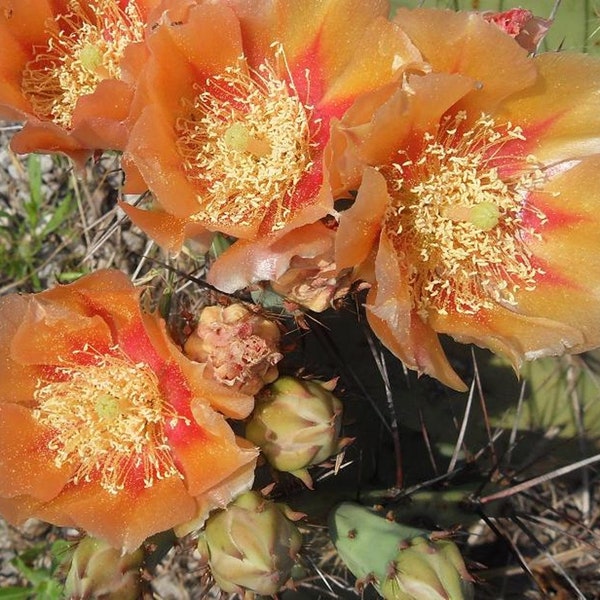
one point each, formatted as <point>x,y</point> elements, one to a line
<point>247,143</point>
<point>108,419</point>
<point>87,48</point>
<point>461,223</point>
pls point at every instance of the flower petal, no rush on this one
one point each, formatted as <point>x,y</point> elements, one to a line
<point>509,334</point>
<point>26,465</point>
<point>399,327</point>
<point>125,519</point>
<point>212,453</point>
<point>460,42</point>
<point>561,112</point>
<point>569,292</point>
<point>360,225</point>
<point>268,258</point>
<point>17,381</point>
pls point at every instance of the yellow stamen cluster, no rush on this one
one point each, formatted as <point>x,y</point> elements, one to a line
<point>85,47</point>
<point>247,143</point>
<point>459,222</point>
<point>107,418</point>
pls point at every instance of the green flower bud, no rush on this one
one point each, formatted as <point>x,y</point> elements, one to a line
<point>404,563</point>
<point>296,423</point>
<point>100,571</point>
<point>251,546</point>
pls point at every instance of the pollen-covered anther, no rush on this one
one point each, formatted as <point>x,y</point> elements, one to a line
<point>85,47</point>
<point>459,211</point>
<point>107,420</point>
<point>246,142</point>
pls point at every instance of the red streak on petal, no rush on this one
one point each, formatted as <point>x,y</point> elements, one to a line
<point>556,218</point>
<point>515,152</point>
<point>308,76</point>
<point>551,276</point>
<point>311,86</point>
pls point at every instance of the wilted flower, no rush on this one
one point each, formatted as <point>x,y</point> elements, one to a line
<point>298,266</point>
<point>61,69</point>
<point>236,104</point>
<point>477,216</point>
<point>296,423</point>
<point>404,563</point>
<point>103,424</point>
<point>252,545</point>
<point>238,347</point>
<point>100,571</point>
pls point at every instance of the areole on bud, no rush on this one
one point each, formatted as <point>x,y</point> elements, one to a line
<point>251,546</point>
<point>100,571</point>
<point>296,423</point>
<point>404,563</point>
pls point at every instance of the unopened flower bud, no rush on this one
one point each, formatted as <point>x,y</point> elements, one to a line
<point>251,546</point>
<point>100,571</point>
<point>404,563</point>
<point>239,348</point>
<point>296,423</point>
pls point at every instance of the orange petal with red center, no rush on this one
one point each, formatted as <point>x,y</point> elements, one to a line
<point>464,43</point>
<point>22,26</point>
<point>17,381</point>
<point>207,451</point>
<point>152,149</point>
<point>221,495</point>
<point>228,401</point>
<point>412,108</point>
<point>26,464</point>
<point>381,54</point>
<point>107,293</point>
<point>164,228</point>
<point>509,334</point>
<point>124,519</point>
<point>360,225</point>
<point>50,333</point>
<point>560,114</point>
<point>569,291</point>
<point>390,314</point>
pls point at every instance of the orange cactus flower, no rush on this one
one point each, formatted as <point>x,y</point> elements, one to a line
<point>101,426</point>
<point>236,104</point>
<point>477,215</point>
<point>62,70</point>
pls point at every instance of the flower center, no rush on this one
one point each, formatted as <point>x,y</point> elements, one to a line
<point>108,419</point>
<point>459,216</point>
<point>246,143</point>
<point>87,48</point>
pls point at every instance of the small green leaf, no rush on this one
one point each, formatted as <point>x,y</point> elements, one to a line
<point>59,216</point>
<point>33,206</point>
<point>35,576</point>
<point>15,593</point>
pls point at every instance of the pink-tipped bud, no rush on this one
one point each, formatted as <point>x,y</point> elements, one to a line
<point>296,423</point>
<point>251,546</point>
<point>239,348</point>
<point>100,571</point>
